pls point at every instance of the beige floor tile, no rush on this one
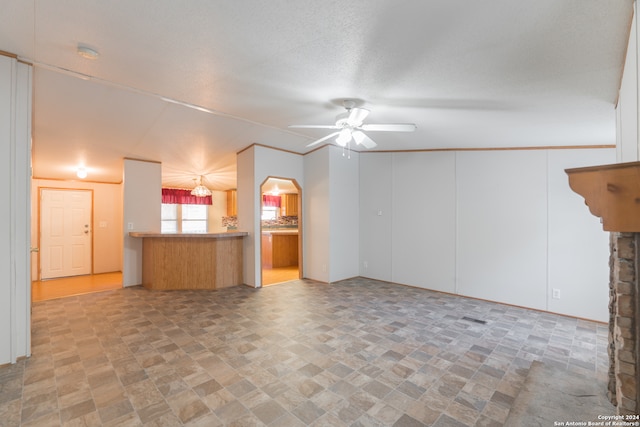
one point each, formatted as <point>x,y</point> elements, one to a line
<point>356,353</point>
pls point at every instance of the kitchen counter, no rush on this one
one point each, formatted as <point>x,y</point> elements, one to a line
<point>196,235</point>
<point>281,231</point>
<point>191,260</point>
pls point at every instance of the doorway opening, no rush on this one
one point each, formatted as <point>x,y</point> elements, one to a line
<point>280,231</point>
<point>64,258</point>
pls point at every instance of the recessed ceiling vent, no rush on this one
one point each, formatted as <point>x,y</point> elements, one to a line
<point>471,319</point>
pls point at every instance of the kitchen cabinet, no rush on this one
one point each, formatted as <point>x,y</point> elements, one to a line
<point>279,248</point>
<point>232,203</point>
<point>289,204</point>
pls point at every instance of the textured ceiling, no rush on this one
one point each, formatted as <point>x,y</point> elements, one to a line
<point>495,73</point>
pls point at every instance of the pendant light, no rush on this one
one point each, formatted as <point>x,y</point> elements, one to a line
<point>200,190</point>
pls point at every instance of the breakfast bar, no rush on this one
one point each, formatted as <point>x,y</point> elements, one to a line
<point>172,261</point>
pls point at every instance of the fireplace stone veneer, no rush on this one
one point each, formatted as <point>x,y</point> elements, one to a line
<point>623,322</point>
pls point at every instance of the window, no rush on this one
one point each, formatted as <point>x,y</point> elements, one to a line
<point>269,213</point>
<point>184,218</point>
<point>194,218</point>
<point>169,216</point>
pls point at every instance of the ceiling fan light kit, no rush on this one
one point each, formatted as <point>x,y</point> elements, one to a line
<point>350,125</point>
<point>344,136</point>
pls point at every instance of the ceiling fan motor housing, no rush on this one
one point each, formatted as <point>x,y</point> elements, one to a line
<point>342,119</point>
<point>348,104</point>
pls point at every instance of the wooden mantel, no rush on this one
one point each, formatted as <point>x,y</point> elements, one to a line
<point>612,193</point>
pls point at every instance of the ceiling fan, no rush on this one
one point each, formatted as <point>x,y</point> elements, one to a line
<point>350,127</point>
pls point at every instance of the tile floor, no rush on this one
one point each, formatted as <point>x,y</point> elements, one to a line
<point>354,353</point>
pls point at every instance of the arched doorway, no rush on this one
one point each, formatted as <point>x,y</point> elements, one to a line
<point>280,230</point>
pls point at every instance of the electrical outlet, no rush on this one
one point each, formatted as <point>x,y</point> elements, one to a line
<point>366,264</point>
<point>555,294</point>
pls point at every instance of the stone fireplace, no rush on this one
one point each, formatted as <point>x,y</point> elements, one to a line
<point>612,193</point>
<point>623,322</point>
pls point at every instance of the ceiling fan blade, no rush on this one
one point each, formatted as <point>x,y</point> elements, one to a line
<point>314,127</point>
<point>362,139</point>
<point>357,116</point>
<point>390,127</point>
<point>324,138</point>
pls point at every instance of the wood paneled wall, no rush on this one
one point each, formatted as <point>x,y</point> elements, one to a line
<point>191,263</point>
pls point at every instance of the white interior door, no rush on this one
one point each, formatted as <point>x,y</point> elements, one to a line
<point>65,233</point>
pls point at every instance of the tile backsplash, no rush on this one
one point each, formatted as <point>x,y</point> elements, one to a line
<point>230,221</point>
<point>283,221</point>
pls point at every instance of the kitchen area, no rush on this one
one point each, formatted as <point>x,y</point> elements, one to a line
<point>280,229</point>
<point>280,243</point>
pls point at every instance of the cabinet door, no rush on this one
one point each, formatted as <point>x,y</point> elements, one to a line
<point>232,203</point>
<point>292,204</point>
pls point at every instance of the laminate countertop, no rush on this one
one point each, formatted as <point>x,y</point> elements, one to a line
<point>281,231</point>
<point>196,235</point>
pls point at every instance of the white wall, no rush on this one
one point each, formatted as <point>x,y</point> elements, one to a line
<point>216,211</point>
<point>107,221</point>
<point>344,214</point>
<point>627,142</point>
<point>255,165</point>
<point>578,248</point>
<point>142,203</point>
<point>331,219</point>
<point>502,226</point>
<point>424,195</point>
<point>21,312</point>
<point>15,173</point>
<point>376,190</point>
<point>496,225</point>
<point>316,215</point>
<point>246,213</point>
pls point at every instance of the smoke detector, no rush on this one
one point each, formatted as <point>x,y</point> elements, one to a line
<point>87,52</point>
